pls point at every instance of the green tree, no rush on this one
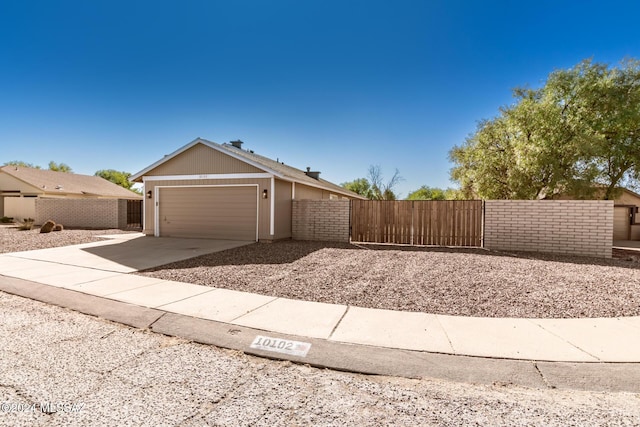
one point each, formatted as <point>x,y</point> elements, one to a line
<point>60,167</point>
<point>360,186</point>
<point>374,187</point>
<point>433,193</point>
<point>117,177</point>
<point>21,164</point>
<point>577,133</point>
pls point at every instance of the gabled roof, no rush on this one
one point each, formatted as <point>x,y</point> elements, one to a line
<point>51,182</point>
<point>273,167</point>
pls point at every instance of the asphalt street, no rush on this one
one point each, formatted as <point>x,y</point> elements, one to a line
<point>60,367</point>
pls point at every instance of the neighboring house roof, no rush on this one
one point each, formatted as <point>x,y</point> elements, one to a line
<point>64,183</point>
<point>274,167</point>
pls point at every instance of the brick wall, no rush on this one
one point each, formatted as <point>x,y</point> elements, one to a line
<point>83,213</point>
<point>580,227</point>
<point>326,220</point>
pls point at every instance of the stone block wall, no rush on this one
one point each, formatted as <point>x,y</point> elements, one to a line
<point>576,227</point>
<point>325,220</point>
<point>83,213</point>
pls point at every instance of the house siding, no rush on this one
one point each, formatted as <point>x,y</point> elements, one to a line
<point>9,183</point>
<point>264,205</point>
<point>282,210</point>
<point>201,159</point>
<point>304,192</point>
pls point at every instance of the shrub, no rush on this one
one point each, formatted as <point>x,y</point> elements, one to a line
<point>6,220</point>
<point>26,224</point>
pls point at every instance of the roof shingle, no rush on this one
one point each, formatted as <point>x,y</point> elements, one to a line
<point>52,182</point>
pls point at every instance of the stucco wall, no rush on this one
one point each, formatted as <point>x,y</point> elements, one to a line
<point>83,213</point>
<point>326,220</point>
<point>578,227</point>
<point>20,207</point>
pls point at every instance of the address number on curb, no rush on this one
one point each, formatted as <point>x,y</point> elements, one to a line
<point>293,348</point>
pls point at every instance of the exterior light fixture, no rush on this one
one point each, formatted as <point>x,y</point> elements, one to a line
<point>265,194</point>
<point>149,193</point>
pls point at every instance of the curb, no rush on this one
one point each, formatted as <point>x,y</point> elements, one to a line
<point>356,358</point>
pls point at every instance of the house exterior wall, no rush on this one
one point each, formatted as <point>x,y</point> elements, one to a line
<point>627,198</point>
<point>201,159</point>
<point>20,207</point>
<point>9,183</point>
<point>325,220</point>
<point>304,192</point>
<point>621,223</point>
<point>82,213</point>
<point>2,206</point>
<point>576,227</point>
<point>264,207</point>
<point>282,210</point>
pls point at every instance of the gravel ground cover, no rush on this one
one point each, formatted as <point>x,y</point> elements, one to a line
<point>86,371</point>
<point>465,282</point>
<point>14,240</point>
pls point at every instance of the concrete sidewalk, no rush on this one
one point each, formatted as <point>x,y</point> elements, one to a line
<point>96,269</point>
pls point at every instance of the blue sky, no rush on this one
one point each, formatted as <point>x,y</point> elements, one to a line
<point>334,85</point>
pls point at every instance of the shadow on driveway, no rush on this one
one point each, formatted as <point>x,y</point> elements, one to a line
<point>147,252</point>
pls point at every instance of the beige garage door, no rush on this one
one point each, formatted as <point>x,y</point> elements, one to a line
<point>228,213</point>
<point>621,226</point>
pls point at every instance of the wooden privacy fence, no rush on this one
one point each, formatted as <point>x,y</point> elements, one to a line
<point>423,222</point>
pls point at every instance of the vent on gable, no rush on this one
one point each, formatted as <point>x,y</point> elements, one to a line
<point>237,143</point>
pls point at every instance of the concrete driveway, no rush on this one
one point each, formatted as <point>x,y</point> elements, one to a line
<point>128,253</point>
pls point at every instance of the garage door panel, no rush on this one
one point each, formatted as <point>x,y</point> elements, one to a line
<point>209,212</point>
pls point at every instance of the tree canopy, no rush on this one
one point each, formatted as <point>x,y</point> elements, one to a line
<point>59,167</point>
<point>433,193</point>
<point>117,177</point>
<point>576,135</point>
<point>374,187</point>
<point>53,166</point>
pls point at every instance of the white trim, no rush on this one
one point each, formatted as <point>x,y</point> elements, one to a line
<point>156,209</point>
<point>144,204</point>
<point>207,176</point>
<point>293,191</point>
<point>209,144</point>
<point>156,231</point>
<point>272,219</point>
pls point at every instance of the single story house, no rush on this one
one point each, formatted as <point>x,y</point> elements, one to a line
<point>223,191</point>
<point>625,215</point>
<point>21,186</point>
<point>625,210</point>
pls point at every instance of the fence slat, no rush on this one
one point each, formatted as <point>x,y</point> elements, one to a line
<point>424,222</point>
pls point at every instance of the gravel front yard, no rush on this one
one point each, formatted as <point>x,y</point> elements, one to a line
<point>467,282</point>
<point>14,240</point>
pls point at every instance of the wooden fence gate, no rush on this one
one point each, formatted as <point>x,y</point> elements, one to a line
<point>423,222</point>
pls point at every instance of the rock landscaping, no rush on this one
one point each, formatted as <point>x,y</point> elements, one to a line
<point>12,239</point>
<point>464,282</point>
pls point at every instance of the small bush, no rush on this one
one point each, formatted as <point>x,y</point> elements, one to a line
<point>26,224</point>
<point>6,220</point>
